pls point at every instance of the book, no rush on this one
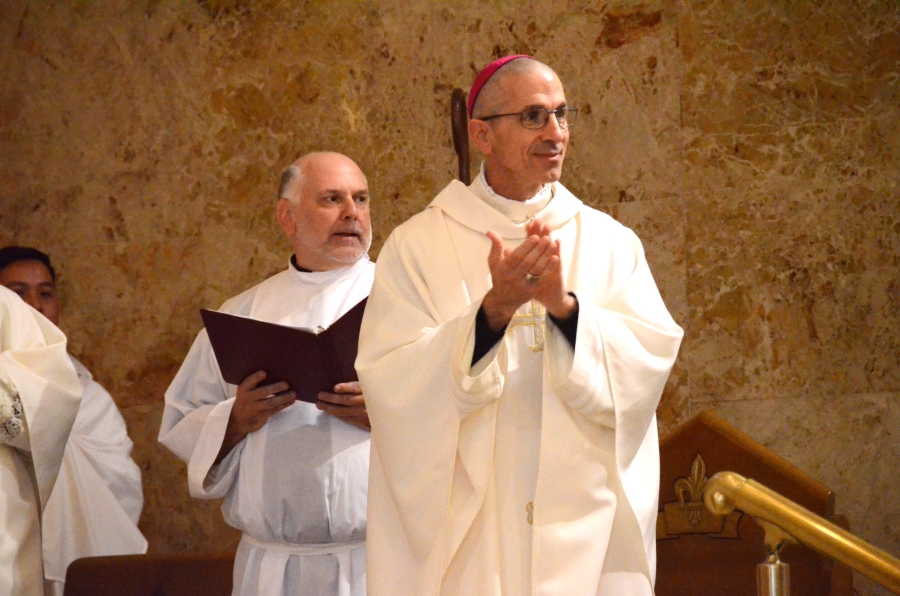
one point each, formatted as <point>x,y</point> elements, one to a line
<point>308,360</point>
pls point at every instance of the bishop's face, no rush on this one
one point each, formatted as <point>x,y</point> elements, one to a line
<point>329,224</point>
<point>32,281</point>
<point>521,160</point>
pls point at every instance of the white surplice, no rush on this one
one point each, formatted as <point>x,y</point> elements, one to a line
<point>296,487</point>
<point>96,503</point>
<point>34,367</point>
<point>536,471</point>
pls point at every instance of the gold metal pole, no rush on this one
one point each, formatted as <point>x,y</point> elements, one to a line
<point>727,491</point>
<point>773,578</point>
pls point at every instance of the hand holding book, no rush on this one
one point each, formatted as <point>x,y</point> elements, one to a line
<point>253,406</point>
<point>308,361</point>
<point>346,403</point>
<point>313,366</point>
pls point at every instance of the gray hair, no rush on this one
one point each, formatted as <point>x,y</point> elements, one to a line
<point>288,176</point>
<point>293,176</point>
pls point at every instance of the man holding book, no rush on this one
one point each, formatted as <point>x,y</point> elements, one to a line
<point>294,475</point>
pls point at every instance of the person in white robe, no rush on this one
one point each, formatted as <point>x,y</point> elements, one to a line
<point>294,475</point>
<point>96,504</point>
<point>97,499</point>
<point>513,352</point>
<point>39,397</point>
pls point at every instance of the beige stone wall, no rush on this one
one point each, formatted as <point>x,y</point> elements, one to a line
<point>754,147</point>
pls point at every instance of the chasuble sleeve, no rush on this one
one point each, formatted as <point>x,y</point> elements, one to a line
<point>413,364</point>
<point>100,440</point>
<point>626,344</point>
<point>33,356</point>
<point>97,501</point>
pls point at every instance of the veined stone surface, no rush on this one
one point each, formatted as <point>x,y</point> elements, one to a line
<point>754,147</point>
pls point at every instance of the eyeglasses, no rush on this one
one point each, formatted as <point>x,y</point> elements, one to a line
<point>537,118</point>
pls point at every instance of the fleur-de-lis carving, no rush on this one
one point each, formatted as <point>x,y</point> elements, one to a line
<point>692,487</point>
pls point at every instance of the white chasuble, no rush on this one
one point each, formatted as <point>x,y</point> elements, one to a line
<point>35,370</point>
<point>96,503</point>
<point>296,487</point>
<point>535,471</point>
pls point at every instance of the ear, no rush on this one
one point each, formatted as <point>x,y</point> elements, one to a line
<point>480,133</point>
<point>284,212</point>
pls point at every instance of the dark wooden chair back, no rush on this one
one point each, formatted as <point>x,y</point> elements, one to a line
<point>200,574</point>
<point>700,554</point>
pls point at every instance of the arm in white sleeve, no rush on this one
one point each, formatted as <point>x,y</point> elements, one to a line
<point>625,346</point>
<point>196,389</point>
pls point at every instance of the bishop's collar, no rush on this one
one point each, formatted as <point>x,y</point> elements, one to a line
<point>517,211</point>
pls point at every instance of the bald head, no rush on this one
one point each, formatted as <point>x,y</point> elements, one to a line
<point>295,175</point>
<point>491,99</point>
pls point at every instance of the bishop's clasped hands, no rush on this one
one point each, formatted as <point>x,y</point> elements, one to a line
<point>532,270</point>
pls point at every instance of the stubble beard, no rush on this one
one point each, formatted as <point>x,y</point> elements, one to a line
<point>347,255</point>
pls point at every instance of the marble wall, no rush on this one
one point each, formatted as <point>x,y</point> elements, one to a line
<point>754,146</point>
<point>790,118</point>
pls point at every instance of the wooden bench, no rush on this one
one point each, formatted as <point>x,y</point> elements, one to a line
<point>195,574</point>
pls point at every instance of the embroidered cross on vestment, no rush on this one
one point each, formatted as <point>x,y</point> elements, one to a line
<point>535,320</point>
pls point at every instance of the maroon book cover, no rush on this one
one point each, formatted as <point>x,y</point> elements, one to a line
<point>309,361</point>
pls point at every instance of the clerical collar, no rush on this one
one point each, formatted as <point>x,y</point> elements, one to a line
<point>517,211</point>
<point>324,277</point>
<point>298,267</point>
